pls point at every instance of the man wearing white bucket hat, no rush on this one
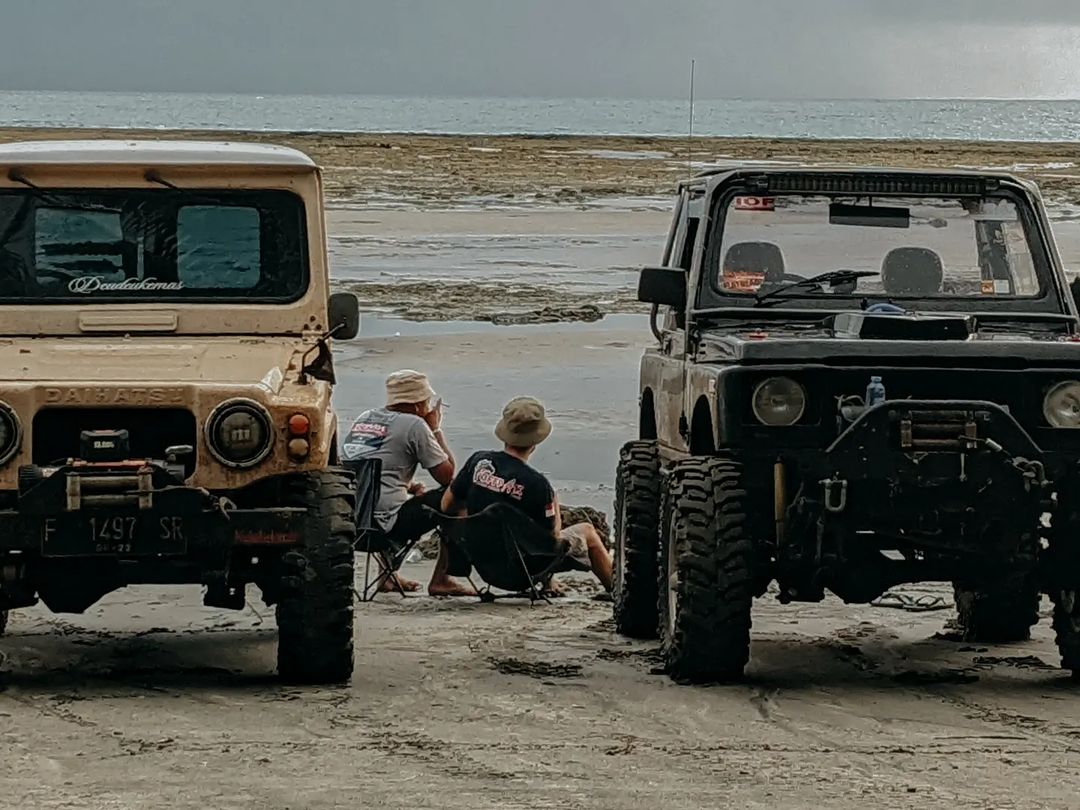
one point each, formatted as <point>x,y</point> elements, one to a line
<point>405,435</point>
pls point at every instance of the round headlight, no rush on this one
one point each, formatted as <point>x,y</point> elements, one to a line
<point>239,433</point>
<point>10,433</point>
<point>1061,407</point>
<point>779,402</point>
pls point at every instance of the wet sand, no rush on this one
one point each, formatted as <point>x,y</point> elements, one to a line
<point>586,374</point>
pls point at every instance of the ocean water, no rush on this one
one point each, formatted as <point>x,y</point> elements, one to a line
<point>1031,120</point>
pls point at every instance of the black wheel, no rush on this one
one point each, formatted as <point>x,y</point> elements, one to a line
<point>1059,565</point>
<point>1067,628</point>
<point>315,611</point>
<point>999,614</point>
<point>706,572</point>
<point>3,621</point>
<point>637,511</point>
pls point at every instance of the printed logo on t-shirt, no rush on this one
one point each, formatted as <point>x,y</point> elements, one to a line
<point>484,476</point>
<point>367,434</point>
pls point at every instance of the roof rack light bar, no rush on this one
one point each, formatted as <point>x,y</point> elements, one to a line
<point>870,184</point>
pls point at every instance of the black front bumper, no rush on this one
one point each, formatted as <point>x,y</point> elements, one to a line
<point>931,468</point>
<point>131,512</point>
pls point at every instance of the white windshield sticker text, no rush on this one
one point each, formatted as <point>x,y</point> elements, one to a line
<point>84,285</point>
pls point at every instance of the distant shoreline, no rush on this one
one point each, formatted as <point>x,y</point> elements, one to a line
<point>963,120</point>
<point>678,141</point>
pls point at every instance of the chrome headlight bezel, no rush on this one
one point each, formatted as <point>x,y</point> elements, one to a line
<point>1052,417</point>
<point>796,391</point>
<point>226,409</point>
<point>10,418</point>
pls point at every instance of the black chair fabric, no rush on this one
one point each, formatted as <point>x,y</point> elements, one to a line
<point>368,473</point>
<point>509,550</point>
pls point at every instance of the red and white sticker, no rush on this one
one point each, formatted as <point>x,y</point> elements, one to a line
<point>739,281</point>
<point>755,203</point>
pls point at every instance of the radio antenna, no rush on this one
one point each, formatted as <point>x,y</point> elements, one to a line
<point>690,135</point>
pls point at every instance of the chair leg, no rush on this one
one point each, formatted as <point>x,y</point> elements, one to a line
<point>534,594</point>
<point>367,595</point>
<point>372,588</point>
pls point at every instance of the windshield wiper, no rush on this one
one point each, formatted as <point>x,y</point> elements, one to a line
<point>833,277</point>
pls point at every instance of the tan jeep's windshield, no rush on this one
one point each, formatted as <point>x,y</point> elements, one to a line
<point>914,247</point>
<point>170,245</point>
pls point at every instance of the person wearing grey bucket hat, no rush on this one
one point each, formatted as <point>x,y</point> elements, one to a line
<point>506,476</point>
<point>407,435</point>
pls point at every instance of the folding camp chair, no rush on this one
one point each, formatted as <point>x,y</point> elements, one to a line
<point>370,538</point>
<point>509,551</point>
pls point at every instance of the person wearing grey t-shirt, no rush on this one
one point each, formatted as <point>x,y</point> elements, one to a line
<point>406,435</point>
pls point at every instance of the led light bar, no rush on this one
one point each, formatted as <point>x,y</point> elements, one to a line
<point>871,184</point>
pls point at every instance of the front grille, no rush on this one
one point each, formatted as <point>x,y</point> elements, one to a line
<point>56,431</point>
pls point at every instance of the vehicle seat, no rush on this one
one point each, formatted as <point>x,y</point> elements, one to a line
<point>756,257</point>
<point>912,271</point>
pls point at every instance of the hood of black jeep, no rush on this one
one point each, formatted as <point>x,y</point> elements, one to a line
<point>850,338</point>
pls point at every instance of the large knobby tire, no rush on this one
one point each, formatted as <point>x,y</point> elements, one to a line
<point>637,513</point>
<point>1067,628</point>
<point>706,572</point>
<point>1000,614</point>
<point>315,612</point>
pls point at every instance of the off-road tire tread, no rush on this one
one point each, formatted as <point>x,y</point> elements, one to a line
<point>637,485</point>
<point>315,612</point>
<point>1067,628</point>
<point>704,512</point>
<point>998,615</point>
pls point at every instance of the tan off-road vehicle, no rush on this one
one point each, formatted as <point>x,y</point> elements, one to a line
<point>165,385</point>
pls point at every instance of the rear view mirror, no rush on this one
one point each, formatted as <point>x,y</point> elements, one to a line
<point>344,313</point>
<point>665,286</point>
<point>869,216</point>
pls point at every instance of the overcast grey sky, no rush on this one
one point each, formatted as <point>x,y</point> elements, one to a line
<point>620,48</point>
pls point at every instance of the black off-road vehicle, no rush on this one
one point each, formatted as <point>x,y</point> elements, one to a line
<point>863,378</point>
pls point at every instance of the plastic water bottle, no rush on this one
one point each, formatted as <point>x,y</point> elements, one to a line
<point>875,392</point>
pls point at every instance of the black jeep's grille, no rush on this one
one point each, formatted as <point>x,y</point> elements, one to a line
<point>150,430</point>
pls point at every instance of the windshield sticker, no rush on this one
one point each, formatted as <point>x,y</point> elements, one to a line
<point>987,286</point>
<point>755,203</point>
<point>85,285</point>
<point>742,281</point>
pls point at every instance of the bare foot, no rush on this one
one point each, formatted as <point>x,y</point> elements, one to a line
<point>554,588</point>
<point>391,585</point>
<point>448,586</point>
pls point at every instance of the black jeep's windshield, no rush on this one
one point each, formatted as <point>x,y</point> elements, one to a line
<point>168,245</point>
<point>964,250</point>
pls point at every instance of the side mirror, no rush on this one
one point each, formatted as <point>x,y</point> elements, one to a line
<point>344,311</point>
<point>665,286</point>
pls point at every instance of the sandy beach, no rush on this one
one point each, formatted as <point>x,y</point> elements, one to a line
<point>455,244</point>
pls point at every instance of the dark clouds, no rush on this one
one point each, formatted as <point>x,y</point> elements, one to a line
<point>771,48</point>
